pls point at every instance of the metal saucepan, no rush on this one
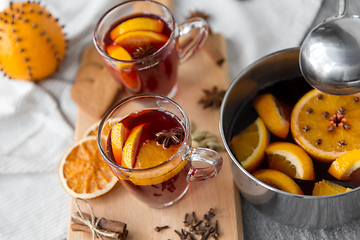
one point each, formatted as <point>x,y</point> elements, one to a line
<point>308,212</point>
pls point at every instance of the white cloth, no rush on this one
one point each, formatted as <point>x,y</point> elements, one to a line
<point>37,120</point>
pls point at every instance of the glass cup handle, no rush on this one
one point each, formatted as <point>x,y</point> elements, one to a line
<point>207,156</point>
<point>197,41</point>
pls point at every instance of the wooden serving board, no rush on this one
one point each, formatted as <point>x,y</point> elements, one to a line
<point>198,73</point>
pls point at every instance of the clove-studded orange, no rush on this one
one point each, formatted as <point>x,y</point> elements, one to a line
<point>31,41</point>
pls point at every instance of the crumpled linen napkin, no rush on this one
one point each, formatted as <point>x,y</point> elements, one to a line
<point>37,120</point>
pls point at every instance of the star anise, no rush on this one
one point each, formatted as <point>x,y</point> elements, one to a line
<point>212,98</point>
<point>144,51</point>
<point>173,137</point>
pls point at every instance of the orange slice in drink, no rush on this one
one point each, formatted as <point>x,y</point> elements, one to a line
<point>133,40</point>
<point>325,188</point>
<point>278,180</point>
<point>119,134</point>
<point>119,53</point>
<point>274,114</point>
<point>131,147</point>
<point>152,154</point>
<point>326,126</point>
<point>136,24</point>
<point>345,165</point>
<point>83,172</point>
<point>249,145</point>
<point>290,159</point>
<point>159,174</point>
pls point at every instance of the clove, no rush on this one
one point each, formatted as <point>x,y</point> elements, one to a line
<point>158,229</point>
<point>186,222</point>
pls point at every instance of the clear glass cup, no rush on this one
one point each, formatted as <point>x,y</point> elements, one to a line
<point>157,72</point>
<point>166,183</point>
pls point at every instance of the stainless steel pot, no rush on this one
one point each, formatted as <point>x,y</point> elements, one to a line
<point>293,210</point>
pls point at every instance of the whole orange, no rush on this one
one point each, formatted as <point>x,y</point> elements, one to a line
<point>31,41</point>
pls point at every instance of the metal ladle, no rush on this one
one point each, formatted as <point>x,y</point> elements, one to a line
<point>330,54</point>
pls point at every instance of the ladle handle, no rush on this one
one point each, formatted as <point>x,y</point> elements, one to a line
<point>342,8</point>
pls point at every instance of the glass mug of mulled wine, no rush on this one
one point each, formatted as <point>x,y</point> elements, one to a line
<point>148,148</point>
<point>139,43</point>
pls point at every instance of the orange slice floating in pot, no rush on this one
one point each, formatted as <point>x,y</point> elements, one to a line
<point>326,126</point>
<point>274,114</point>
<point>325,188</point>
<point>345,165</point>
<point>290,159</point>
<point>278,180</point>
<point>249,145</point>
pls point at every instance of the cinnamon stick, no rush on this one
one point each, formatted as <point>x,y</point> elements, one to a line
<point>84,228</point>
<point>118,229</point>
<point>111,225</point>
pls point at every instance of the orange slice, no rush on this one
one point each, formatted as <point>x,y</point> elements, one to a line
<point>132,40</point>
<point>119,53</point>
<point>325,188</point>
<point>119,134</point>
<point>83,172</point>
<point>290,159</point>
<point>326,126</point>
<point>278,180</point>
<point>159,174</point>
<point>274,114</point>
<point>249,145</point>
<point>136,24</point>
<point>152,154</point>
<point>131,147</point>
<point>345,165</point>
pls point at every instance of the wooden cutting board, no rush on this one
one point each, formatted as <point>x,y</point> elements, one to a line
<point>198,73</point>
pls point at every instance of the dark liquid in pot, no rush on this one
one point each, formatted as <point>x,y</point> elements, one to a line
<point>289,91</point>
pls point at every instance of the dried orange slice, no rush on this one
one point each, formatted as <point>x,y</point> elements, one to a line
<point>325,188</point>
<point>119,134</point>
<point>152,154</point>
<point>249,145</point>
<point>274,113</point>
<point>132,40</point>
<point>31,41</point>
<point>278,180</point>
<point>326,126</point>
<point>290,159</point>
<point>345,165</point>
<point>131,147</point>
<point>83,172</point>
<point>136,24</point>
